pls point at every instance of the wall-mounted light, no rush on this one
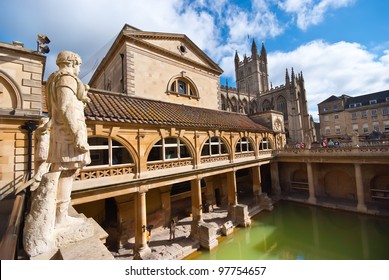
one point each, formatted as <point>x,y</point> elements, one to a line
<point>42,41</point>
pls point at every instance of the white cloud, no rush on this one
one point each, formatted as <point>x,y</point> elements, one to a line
<point>311,12</point>
<point>332,69</point>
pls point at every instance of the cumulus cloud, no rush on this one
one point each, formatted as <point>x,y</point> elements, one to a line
<point>311,12</point>
<point>332,69</point>
<point>219,27</point>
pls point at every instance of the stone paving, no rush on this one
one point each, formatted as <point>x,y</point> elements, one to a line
<point>183,245</point>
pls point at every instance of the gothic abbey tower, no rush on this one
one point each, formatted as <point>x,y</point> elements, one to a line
<point>253,95</point>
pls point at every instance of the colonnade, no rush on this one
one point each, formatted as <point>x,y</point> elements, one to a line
<point>361,205</point>
<point>141,246</point>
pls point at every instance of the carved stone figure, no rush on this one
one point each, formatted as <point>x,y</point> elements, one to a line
<point>68,149</point>
<point>42,141</point>
<point>48,225</point>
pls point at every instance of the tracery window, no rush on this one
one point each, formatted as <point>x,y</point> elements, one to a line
<point>266,105</point>
<point>170,148</point>
<point>282,106</point>
<point>214,146</point>
<point>108,152</point>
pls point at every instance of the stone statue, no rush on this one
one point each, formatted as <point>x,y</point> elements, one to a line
<point>355,139</point>
<point>42,141</point>
<point>48,224</point>
<point>68,149</point>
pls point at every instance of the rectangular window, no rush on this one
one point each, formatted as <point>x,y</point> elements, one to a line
<point>335,106</point>
<point>325,109</point>
<point>372,101</point>
<point>386,126</point>
<point>327,130</point>
<point>376,126</point>
<point>336,117</point>
<point>374,113</point>
<point>365,128</point>
<point>354,105</point>
<point>363,114</point>
<point>354,116</point>
<point>337,129</point>
<point>326,118</point>
<point>355,127</point>
<point>385,111</point>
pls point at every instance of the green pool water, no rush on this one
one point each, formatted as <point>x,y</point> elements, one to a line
<point>296,231</point>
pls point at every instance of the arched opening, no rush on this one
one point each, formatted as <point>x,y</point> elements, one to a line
<point>171,148</point>
<point>181,85</point>
<point>339,184</point>
<point>282,106</point>
<point>264,144</point>
<point>266,105</point>
<point>214,146</point>
<point>243,146</point>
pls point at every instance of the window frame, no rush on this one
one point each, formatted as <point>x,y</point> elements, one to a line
<point>178,144</point>
<point>189,91</point>
<point>110,147</point>
<point>241,143</point>
<point>220,143</point>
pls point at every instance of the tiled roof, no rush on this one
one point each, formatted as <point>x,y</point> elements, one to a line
<point>120,108</point>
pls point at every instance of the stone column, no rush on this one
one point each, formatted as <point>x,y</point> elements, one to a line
<point>311,187</point>
<point>256,178</point>
<point>210,194</point>
<point>166,204</point>
<point>275,179</point>
<point>231,192</point>
<point>197,213</point>
<point>141,247</point>
<point>361,206</point>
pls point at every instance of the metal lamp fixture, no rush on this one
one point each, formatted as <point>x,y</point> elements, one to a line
<point>42,42</point>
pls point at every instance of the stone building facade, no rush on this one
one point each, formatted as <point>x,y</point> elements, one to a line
<point>343,116</point>
<point>161,147</point>
<point>254,95</point>
<point>21,77</point>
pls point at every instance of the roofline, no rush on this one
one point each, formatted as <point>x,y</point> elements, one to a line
<point>123,36</point>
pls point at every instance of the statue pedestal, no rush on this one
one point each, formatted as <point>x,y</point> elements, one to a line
<point>80,243</point>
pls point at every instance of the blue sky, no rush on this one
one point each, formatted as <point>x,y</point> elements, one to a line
<point>341,46</point>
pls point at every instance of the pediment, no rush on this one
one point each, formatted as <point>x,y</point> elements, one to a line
<point>177,46</point>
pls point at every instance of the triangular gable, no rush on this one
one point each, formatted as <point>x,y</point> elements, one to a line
<point>176,45</point>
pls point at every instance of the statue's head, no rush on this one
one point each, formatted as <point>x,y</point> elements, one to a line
<point>68,58</point>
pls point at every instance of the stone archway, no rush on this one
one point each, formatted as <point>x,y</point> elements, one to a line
<point>339,184</point>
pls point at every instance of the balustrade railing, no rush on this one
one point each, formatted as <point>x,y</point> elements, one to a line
<point>152,166</point>
<point>213,159</point>
<point>93,173</point>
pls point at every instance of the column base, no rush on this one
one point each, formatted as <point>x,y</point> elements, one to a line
<point>362,208</point>
<point>312,200</point>
<point>142,253</point>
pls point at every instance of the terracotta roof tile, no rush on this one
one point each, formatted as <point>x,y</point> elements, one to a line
<point>120,108</point>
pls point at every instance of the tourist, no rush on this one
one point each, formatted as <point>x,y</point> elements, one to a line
<point>172,228</point>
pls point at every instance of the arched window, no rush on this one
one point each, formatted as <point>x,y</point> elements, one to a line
<point>168,149</point>
<point>266,105</point>
<point>183,86</point>
<point>282,106</point>
<point>108,152</point>
<point>244,104</point>
<point>264,145</point>
<point>223,103</point>
<point>214,147</point>
<point>243,146</point>
<point>234,104</point>
<point>253,107</point>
